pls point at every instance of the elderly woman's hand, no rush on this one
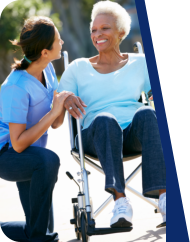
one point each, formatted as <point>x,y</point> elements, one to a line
<point>72,103</point>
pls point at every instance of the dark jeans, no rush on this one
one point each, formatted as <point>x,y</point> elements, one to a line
<point>105,138</point>
<point>35,171</point>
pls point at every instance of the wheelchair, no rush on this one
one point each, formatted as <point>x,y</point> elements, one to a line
<point>84,217</point>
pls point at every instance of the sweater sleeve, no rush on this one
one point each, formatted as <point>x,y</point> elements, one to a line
<point>68,80</point>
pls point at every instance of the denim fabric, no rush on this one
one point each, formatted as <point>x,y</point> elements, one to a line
<point>35,171</point>
<point>105,138</point>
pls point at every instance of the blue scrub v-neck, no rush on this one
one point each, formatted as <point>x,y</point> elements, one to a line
<point>47,90</point>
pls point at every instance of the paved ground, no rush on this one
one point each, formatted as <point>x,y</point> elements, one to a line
<point>144,220</point>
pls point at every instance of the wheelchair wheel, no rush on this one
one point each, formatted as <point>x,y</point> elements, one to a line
<point>76,215</point>
<point>84,227</point>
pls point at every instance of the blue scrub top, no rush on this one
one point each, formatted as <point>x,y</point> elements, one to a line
<point>25,100</point>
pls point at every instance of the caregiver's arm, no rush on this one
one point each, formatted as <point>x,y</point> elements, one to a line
<point>22,138</point>
<point>59,120</point>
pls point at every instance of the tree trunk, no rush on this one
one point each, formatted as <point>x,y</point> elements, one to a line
<point>5,67</point>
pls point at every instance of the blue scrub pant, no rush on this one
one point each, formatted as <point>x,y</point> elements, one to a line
<point>105,138</point>
<point>35,171</point>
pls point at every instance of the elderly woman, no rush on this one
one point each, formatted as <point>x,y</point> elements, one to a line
<point>114,122</point>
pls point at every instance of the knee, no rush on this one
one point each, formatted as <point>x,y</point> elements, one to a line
<point>145,114</point>
<point>50,161</point>
<point>105,116</point>
<point>105,120</point>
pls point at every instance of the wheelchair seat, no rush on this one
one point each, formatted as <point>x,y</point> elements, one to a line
<point>127,157</point>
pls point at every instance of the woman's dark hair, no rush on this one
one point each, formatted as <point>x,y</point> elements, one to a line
<point>38,33</point>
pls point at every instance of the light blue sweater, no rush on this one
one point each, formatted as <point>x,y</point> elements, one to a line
<point>117,92</point>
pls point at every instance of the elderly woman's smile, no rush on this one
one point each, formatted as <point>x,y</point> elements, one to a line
<point>101,41</point>
<point>104,32</point>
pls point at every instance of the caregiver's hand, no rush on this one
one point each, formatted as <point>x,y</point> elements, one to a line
<point>58,102</point>
<point>72,103</point>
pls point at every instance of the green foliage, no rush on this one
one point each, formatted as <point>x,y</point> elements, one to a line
<point>86,6</point>
<point>13,16</point>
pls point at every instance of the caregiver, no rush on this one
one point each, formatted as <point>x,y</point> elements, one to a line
<point>25,115</point>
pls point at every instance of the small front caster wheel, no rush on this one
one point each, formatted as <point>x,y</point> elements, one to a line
<point>76,215</point>
<point>84,227</point>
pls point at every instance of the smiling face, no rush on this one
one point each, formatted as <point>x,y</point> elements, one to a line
<point>104,34</point>
<point>55,52</point>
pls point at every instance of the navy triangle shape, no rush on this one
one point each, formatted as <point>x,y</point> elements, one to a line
<point>176,224</point>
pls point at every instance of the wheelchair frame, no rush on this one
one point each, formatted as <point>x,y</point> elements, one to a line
<point>83,215</point>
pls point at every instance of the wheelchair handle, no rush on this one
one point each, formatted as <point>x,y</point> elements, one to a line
<point>69,175</point>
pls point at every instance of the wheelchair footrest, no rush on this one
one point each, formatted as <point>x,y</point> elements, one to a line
<point>161,225</point>
<point>100,231</point>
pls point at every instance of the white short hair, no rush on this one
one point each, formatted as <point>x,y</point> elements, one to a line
<point>123,20</point>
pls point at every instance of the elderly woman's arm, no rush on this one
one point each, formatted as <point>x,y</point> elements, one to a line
<point>69,82</point>
<point>76,103</point>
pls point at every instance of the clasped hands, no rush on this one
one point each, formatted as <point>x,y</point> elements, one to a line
<point>69,101</point>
